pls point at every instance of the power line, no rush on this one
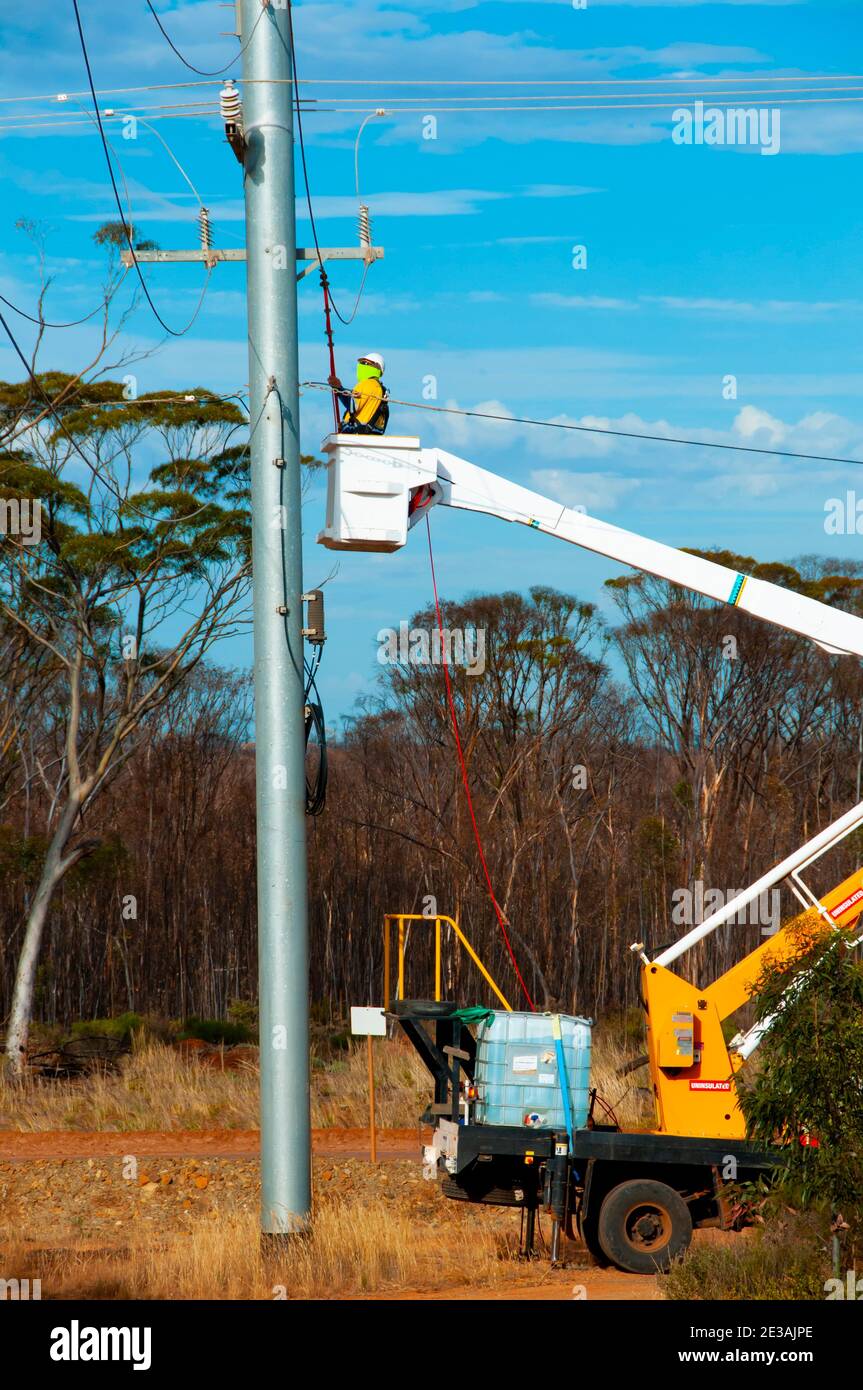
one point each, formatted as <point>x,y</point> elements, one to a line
<point>325,279</point>
<point>105,91</point>
<point>188,398</point>
<point>566,81</point>
<point>726,92</point>
<point>115,111</point>
<point>82,125</point>
<point>443,82</point>
<point>173,332</point>
<point>54,411</point>
<point>574,107</point>
<point>73,323</point>
<point>598,429</point>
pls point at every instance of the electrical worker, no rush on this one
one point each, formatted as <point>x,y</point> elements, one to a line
<point>366,407</point>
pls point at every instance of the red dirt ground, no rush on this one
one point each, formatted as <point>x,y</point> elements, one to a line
<point>198,1143</point>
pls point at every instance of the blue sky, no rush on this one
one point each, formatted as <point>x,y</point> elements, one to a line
<point>702,262</point>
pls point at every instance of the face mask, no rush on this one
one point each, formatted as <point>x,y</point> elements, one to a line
<point>365,371</point>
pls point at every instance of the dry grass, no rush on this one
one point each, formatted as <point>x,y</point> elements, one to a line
<point>355,1249</point>
<point>787,1260</point>
<point>165,1088</point>
<point>629,1096</point>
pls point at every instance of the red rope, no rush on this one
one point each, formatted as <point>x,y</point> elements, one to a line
<point>329,330</point>
<point>464,777</point>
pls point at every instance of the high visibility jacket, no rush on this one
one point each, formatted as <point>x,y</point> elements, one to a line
<point>366,404</point>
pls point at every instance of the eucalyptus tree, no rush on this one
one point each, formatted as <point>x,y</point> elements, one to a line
<point>141,564</point>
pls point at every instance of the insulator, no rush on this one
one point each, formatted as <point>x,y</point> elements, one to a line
<point>365,226</point>
<point>204,229</point>
<point>230,105</point>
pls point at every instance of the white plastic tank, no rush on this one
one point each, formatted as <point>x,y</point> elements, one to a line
<point>517,1075</point>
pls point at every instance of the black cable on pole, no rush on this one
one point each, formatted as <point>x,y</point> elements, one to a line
<point>73,323</point>
<point>54,411</point>
<point>51,406</point>
<point>297,107</point>
<point>316,790</point>
<point>203,72</point>
<point>173,332</point>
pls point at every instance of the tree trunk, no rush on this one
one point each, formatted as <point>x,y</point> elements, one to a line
<point>54,868</point>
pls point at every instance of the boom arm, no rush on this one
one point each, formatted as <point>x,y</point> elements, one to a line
<point>379,488</point>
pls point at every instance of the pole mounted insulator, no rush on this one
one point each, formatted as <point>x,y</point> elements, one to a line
<point>204,228</point>
<point>231,108</point>
<point>230,104</point>
<point>365,226</point>
<point>205,232</point>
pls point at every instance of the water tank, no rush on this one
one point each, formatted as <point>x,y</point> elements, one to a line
<point>517,1077</point>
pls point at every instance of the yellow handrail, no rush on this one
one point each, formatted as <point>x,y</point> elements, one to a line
<point>400,918</point>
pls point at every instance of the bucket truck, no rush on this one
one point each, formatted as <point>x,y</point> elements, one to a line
<point>636,1196</point>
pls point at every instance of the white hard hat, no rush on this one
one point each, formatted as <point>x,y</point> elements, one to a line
<point>372,357</point>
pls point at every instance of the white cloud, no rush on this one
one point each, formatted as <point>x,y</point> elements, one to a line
<point>768,310</point>
<point>778,309</point>
<point>593,491</point>
<point>582,301</point>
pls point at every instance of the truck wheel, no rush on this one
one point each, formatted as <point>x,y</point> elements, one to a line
<point>643,1226</point>
<point>422,1008</point>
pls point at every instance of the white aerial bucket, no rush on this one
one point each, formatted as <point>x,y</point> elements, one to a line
<point>370,481</point>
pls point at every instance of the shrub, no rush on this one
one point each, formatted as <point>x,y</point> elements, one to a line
<point>216,1030</point>
<point>120,1028</point>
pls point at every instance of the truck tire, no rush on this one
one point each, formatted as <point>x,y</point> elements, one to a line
<point>422,1008</point>
<point>644,1226</point>
<point>488,1196</point>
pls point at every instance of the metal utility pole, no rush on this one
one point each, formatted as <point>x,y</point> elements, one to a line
<point>268,183</point>
<point>259,130</point>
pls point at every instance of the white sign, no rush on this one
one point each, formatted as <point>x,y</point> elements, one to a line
<point>368,1021</point>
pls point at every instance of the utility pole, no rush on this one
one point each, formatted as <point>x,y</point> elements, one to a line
<point>259,130</point>
<point>268,182</point>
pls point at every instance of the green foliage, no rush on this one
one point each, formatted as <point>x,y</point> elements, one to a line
<point>840,590</point>
<point>657,847</point>
<point>119,234</point>
<point>120,1028</point>
<point>625,1026</point>
<point>808,1082</point>
<point>216,1030</point>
